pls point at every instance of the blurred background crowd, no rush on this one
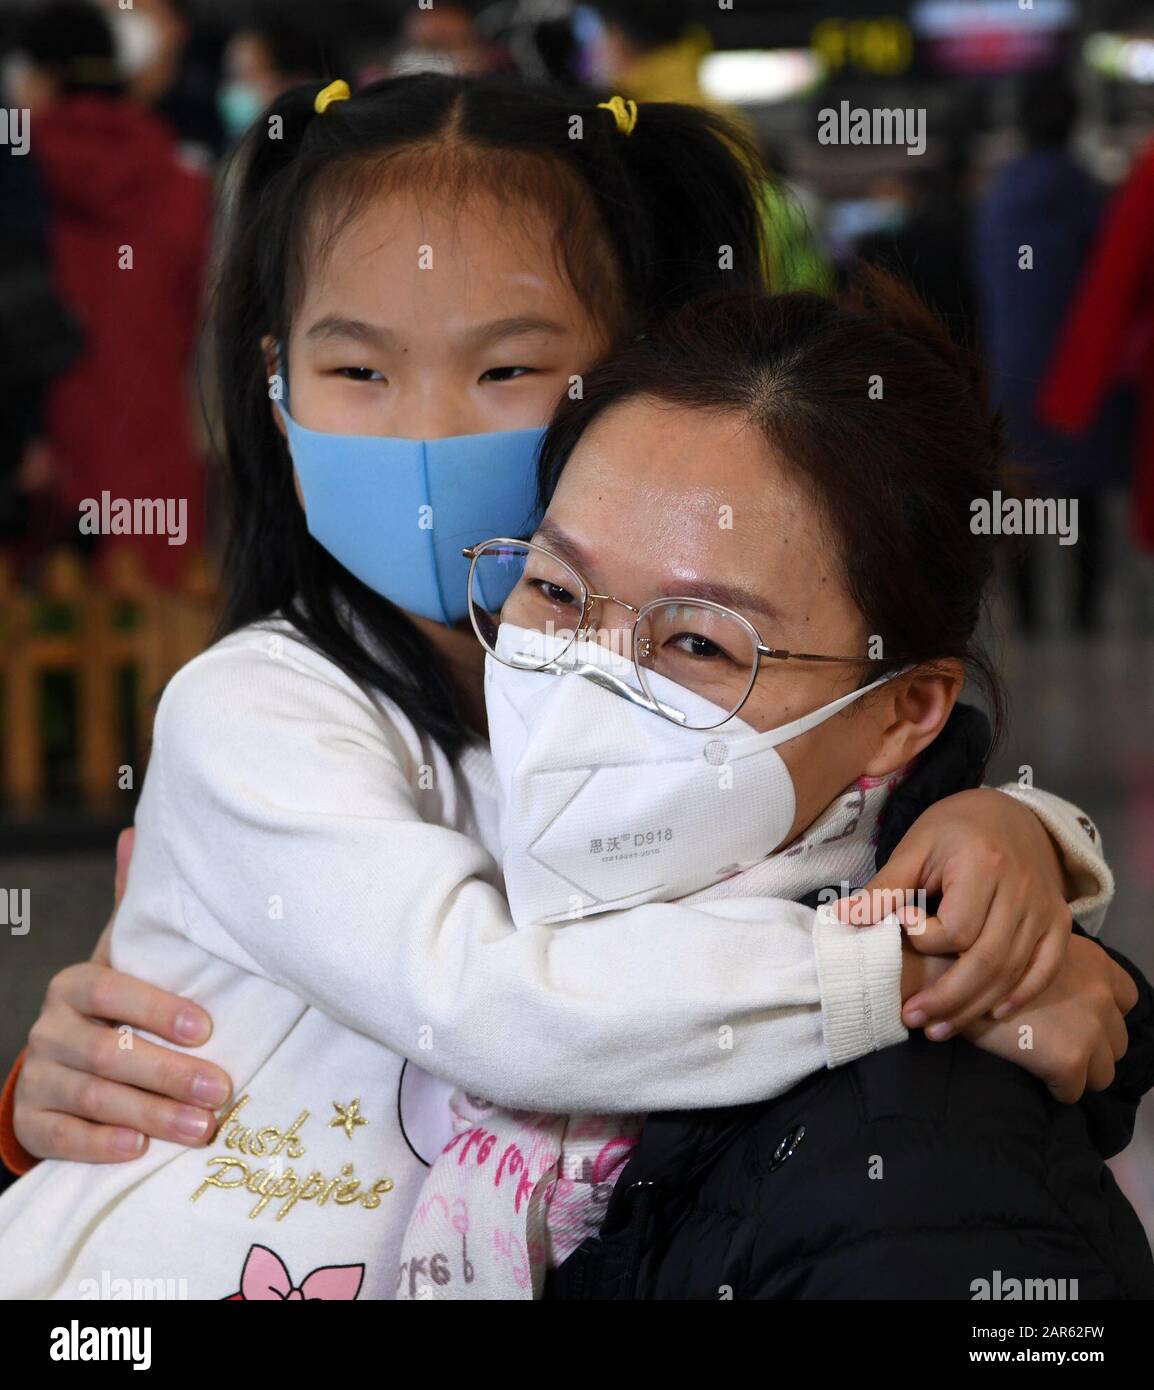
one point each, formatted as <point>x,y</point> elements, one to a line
<point>1039,133</point>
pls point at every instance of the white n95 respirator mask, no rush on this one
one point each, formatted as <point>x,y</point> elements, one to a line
<point>606,804</point>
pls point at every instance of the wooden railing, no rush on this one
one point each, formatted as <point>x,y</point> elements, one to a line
<point>92,628</point>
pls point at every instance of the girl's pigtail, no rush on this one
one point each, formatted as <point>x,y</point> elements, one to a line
<point>273,141</point>
<point>694,184</point>
<point>244,308</point>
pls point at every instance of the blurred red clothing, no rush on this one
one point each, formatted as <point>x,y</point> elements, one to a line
<point>120,421</point>
<point>1109,334</point>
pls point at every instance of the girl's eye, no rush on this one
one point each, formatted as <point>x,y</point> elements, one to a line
<point>359,374</point>
<point>505,373</point>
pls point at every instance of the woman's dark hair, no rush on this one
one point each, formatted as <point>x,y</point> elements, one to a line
<point>644,222</point>
<point>880,416</point>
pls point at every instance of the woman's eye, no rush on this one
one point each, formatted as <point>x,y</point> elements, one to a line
<point>555,593</point>
<point>359,374</point>
<point>505,373</point>
<point>700,648</point>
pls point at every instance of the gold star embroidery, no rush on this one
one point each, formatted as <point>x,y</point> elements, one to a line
<point>348,1116</point>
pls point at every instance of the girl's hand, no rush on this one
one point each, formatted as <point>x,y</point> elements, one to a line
<point>81,1096</point>
<point>1003,907</point>
<point>1076,1026</point>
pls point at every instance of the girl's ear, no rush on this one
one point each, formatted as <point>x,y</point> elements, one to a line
<point>272,366</point>
<point>914,711</point>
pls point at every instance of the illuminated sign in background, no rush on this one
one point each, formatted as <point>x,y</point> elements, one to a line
<point>881,47</point>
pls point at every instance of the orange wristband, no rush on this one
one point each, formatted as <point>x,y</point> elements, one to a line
<point>15,1156</point>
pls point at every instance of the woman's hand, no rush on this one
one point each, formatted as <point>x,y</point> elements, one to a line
<point>1003,908</point>
<point>81,1095</point>
<point>1074,1031</point>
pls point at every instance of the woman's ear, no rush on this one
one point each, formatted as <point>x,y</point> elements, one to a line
<point>914,710</point>
<point>273,366</point>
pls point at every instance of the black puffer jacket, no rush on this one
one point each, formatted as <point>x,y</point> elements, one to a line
<point>915,1172</point>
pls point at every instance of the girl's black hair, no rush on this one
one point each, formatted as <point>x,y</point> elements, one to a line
<point>880,416</point>
<point>645,222</point>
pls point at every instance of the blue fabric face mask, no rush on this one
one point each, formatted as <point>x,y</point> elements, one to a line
<point>397,512</point>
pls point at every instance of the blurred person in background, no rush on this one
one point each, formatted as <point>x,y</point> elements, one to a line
<point>171,64</point>
<point>441,39</point>
<point>277,46</point>
<point>542,41</point>
<point>649,50</point>
<point>128,228</point>
<point>1108,337</point>
<point>1047,201</point>
<point>147,38</point>
<point>925,240</point>
<point>39,340</point>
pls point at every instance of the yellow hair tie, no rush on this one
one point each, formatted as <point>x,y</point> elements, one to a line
<point>624,113</point>
<point>335,91</point>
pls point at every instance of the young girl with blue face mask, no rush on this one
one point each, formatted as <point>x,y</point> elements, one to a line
<point>431,258</point>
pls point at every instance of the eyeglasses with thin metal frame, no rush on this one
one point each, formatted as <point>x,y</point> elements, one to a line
<point>645,698</point>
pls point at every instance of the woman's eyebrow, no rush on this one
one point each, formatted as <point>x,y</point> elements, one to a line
<point>552,537</point>
<point>334,326</point>
<point>728,595</point>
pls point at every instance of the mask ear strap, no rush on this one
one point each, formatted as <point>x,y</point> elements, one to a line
<point>819,716</point>
<point>282,372</point>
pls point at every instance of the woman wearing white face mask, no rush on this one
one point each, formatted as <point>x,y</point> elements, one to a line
<point>734,713</point>
<point>276,49</point>
<point>149,36</point>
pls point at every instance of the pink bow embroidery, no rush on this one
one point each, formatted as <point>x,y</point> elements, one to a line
<point>265,1277</point>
